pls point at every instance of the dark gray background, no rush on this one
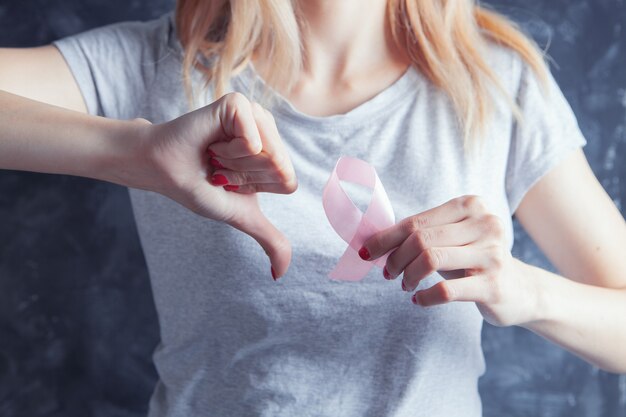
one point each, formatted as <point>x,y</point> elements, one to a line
<point>77,321</point>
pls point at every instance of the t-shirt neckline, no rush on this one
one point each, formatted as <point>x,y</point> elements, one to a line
<point>405,87</point>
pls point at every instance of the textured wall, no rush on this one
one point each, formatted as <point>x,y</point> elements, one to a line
<point>77,322</point>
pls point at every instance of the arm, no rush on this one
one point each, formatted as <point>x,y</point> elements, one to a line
<point>38,137</point>
<point>572,219</point>
<point>40,74</point>
<point>570,216</point>
<point>44,128</point>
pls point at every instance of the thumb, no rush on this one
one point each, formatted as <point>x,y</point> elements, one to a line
<point>273,241</point>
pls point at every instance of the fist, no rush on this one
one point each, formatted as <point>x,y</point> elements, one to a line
<point>213,160</point>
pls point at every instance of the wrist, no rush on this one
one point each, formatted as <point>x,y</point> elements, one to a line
<point>541,288</point>
<point>123,159</point>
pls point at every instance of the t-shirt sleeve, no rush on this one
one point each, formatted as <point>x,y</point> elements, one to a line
<point>547,134</point>
<point>114,65</point>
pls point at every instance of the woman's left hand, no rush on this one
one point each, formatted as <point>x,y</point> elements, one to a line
<point>466,244</point>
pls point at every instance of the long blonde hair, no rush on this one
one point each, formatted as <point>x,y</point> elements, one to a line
<point>444,39</point>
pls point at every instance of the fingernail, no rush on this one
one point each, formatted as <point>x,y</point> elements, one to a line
<point>211,153</point>
<point>219,179</point>
<point>403,286</point>
<point>386,273</point>
<point>364,253</point>
<point>414,299</point>
<point>231,187</point>
<point>216,163</point>
<point>274,274</point>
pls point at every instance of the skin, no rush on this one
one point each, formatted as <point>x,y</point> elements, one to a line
<point>44,128</point>
<point>171,158</point>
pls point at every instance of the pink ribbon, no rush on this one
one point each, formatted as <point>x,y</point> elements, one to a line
<point>350,223</point>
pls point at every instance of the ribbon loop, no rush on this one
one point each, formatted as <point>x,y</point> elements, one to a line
<point>350,223</point>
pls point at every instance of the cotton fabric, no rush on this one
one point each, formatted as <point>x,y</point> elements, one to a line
<point>235,343</point>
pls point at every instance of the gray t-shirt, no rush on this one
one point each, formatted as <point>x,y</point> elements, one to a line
<point>235,343</point>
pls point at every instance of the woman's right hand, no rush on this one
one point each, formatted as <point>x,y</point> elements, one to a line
<point>248,152</point>
<point>40,132</point>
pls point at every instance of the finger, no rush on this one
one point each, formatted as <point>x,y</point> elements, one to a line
<point>239,126</point>
<point>274,147</point>
<point>270,138</point>
<point>227,177</point>
<point>454,234</point>
<point>258,188</point>
<point>239,146</point>
<point>235,148</point>
<point>273,241</point>
<point>452,211</point>
<point>474,288</point>
<point>447,259</point>
<point>260,162</point>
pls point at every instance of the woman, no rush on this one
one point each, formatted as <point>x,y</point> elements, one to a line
<point>450,104</point>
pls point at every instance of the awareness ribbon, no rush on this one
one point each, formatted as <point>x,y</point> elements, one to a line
<point>350,223</point>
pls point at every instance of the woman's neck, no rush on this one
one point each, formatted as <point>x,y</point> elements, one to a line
<point>349,56</point>
<point>341,38</point>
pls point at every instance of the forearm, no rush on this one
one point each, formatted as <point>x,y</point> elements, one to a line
<point>588,321</point>
<point>42,138</point>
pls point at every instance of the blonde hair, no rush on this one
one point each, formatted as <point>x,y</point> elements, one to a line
<point>444,39</point>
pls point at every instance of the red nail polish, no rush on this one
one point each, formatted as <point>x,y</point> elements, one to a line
<point>273,274</point>
<point>216,163</point>
<point>403,286</point>
<point>231,187</point>
<point>386,273</point>
<point>211,153</point>
<point>364,253</point>
<point>219,179</point>
<point>414,299</point>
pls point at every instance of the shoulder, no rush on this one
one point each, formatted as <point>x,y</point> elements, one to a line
<point>510,68</point>
<point>116,64</point>
<point>535,90</point>
<point>149,38</point>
